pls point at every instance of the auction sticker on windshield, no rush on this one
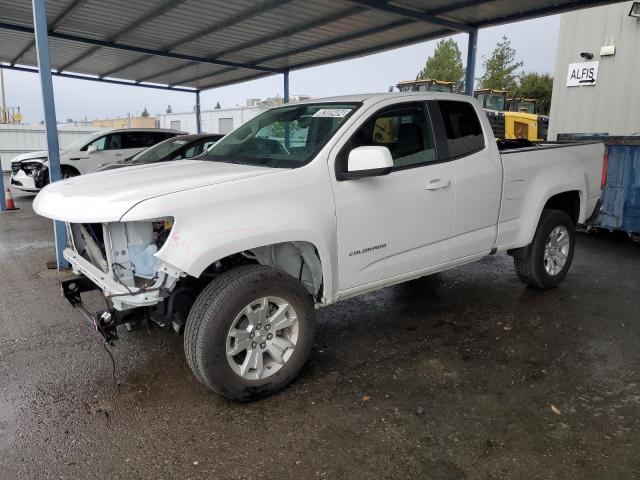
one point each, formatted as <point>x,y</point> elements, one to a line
<point>332,112</point>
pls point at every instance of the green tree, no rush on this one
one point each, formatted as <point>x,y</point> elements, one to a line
<point>501,71</point>
<point>169,109</point>
<point>144,113</point>
<point>218,107</point>
<point>537,85</point>
<point>445,64</point>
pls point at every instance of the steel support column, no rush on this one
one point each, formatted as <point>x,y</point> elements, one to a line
<point>286,100</point>
<point>49,108</point>
<point>472,49</point>
<point>286,86</point>
<point>198,121</point>
<point>3,205</point>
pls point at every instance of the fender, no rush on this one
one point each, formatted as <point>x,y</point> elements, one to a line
<point>214,222</point>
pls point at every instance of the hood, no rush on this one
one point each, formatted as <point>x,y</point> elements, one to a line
<point>107,196</point>
<point>30,156</point>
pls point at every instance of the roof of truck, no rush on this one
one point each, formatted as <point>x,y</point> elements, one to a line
<point>376,97</point>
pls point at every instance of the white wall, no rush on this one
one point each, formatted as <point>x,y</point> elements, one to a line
<point>210,118</point>
<point>18,139</point>
<point>612,105</point>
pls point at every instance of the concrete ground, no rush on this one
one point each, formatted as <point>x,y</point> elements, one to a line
<point>463,375</point>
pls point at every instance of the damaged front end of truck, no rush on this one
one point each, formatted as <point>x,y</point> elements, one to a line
<point>119,259</point>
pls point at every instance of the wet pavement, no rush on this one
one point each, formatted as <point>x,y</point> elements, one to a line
<point>463,375</point>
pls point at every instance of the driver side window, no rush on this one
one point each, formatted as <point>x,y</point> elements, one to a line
<point>404,129</point>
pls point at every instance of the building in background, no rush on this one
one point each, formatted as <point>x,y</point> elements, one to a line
<point>19,139</point>
<point>222,120</point>
<point>275,101</point>
<point>597,75</point>
<point>125,122</point>
<point>219,120</point>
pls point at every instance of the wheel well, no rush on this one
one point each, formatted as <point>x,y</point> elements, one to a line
<point>568,202</point>
<point>298,259</point>
<point>69,168</point>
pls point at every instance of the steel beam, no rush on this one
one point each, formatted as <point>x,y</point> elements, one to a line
<point>286,86</point>
<point>49,108</point>
<point>385,7</point>
<point>102,80</point>
<point>198,120</point>
<point>131,48</point>
<point>472,49</point>
<point>3,204</point>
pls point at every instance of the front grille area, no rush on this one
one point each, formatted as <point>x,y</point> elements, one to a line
<point>87,240</point>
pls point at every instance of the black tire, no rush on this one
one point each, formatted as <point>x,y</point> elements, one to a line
<point>529,261</point>
<point>212,316</point>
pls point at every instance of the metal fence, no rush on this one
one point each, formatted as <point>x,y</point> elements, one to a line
<point>18,139</point>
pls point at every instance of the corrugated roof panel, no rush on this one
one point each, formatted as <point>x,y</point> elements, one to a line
<point>104,60</point>
<point>229,78</point>
<point>102,20</point>
<point>197,70</point>
<point>188,19</point>
<point>12,44</point>
<point>278,34</point>
<point>19,12</point>
<point>350,26</point>
<point>149,67</point>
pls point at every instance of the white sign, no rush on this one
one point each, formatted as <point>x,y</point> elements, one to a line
<point>332,112</point>
<point>585,73</point>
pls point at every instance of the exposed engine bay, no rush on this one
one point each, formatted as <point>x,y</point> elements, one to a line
<point>124,249</point>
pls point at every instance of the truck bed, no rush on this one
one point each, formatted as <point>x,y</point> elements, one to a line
<point>540,172</point>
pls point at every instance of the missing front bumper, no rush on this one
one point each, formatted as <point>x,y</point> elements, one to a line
<point>104,322</point>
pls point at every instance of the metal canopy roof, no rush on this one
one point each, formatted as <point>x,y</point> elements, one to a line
<point>202,44</point>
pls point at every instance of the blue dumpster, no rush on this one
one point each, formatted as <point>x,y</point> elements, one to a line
<point>621,197</point>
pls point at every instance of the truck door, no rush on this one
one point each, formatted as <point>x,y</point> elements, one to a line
<point>478,173</point>
<point>395,224</point>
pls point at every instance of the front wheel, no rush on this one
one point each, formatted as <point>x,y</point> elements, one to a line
<point>545,262</point>
<point>249,333</point>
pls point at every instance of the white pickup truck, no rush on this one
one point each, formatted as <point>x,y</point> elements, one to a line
<point>241,246</point>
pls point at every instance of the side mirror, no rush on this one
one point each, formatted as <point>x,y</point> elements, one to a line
<point>92,149</point>
<point>368,162</point>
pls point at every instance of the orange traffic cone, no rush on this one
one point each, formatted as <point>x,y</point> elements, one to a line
<point>9,200</point>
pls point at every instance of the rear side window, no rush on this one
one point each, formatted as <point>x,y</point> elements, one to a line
<point>139,139</point>
<point>462,127</point>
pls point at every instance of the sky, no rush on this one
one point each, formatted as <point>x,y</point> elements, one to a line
<point>535,42</point>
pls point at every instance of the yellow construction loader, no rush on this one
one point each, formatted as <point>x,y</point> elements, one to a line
<point>509,118</point>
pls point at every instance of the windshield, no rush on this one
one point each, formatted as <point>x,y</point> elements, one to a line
<point>160,150</point>
<point>285,137</point>
<point>495,102</point>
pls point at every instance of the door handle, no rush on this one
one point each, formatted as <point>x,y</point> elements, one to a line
<point>437,184</point>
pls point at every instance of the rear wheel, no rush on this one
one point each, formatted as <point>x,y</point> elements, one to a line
<point>249,333</point>
<point>545,262</point>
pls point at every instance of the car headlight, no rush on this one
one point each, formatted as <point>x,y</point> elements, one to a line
<point>32,167</point>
